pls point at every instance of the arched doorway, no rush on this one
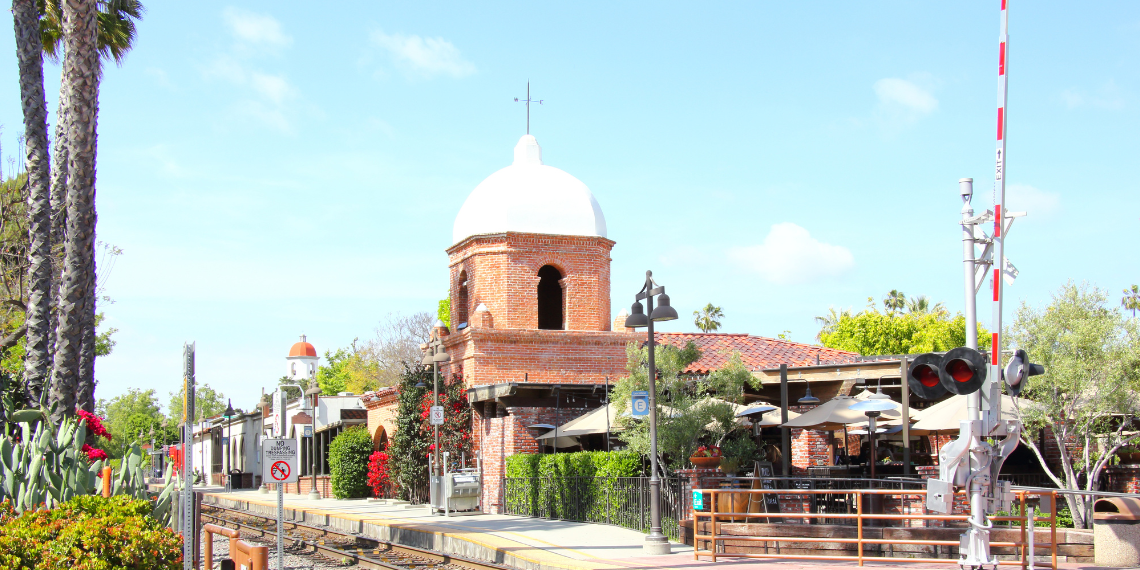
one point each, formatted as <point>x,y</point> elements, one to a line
<point>550,311</point>
<point>379,439</point>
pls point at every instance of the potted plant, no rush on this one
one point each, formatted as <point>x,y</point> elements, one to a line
<point>706,457</point>
<point>1129,454</point>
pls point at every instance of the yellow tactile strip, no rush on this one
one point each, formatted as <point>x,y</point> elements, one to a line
<point>535,558</point>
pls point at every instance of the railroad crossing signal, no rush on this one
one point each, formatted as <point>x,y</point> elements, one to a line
<point>960,371</point>
<point>1018,371</point>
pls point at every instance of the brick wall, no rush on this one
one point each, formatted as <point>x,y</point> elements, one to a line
<point>502,273</point>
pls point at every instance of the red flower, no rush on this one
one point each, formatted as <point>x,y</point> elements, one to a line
<point>94,423</point>
<point>93,454</point>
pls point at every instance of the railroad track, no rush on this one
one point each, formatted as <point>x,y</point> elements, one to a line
<point>342,546</point>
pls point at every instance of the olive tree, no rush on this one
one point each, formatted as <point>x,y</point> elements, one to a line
<point>1088,394</point>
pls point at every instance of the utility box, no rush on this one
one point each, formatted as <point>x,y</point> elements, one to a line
<point>462,489</point>
<point>1116,532</point>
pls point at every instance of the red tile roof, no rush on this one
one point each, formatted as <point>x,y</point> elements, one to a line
<point>756,351</point>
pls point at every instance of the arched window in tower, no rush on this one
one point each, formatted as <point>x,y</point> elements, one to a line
<point>549,298</point>
<point>461,302</point>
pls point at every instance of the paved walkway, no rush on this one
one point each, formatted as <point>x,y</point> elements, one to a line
<point>520,542</point>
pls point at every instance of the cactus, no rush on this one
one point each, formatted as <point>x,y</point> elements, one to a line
<point>44,466</point>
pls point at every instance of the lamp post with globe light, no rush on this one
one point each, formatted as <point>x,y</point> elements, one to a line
<point>655,542</point>
<point>434,355</point>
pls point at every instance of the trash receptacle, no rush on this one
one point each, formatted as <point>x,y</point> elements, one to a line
<point>1116,532</point>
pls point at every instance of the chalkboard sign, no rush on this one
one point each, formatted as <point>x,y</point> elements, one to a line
<point>771,500</point>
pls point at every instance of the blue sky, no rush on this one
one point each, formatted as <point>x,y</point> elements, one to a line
<point>269,169</point>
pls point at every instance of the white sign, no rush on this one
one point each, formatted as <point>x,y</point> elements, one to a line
<point>279,460</point>
<point>436,417</point>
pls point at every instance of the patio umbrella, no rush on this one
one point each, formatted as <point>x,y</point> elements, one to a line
<point>592,422</point>
<point>945,416</point>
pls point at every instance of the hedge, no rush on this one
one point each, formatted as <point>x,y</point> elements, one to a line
<point>88,532</point>
<point>348,463</point>
<point>582,486</point>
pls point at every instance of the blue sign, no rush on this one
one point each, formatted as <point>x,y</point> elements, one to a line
<point>698,500</point>
<point>639,403</point>
<point>225,440</point>
<point>307,431</point>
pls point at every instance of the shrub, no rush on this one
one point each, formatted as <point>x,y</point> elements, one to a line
<point>379,475</point>
<point>88,532</point>
<point>348,463</point>
<point>569,485</point>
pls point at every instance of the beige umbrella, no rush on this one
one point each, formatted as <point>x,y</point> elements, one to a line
<point>592,422</point>
<point>945,416</point>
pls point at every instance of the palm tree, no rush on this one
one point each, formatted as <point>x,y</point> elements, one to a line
<point>828,322</point>
<point>29,52</point>
<point>708,318</point>
<point>920,305</point>
<point>81,82</point>
<point>1131,300</point>
<point>110,33</point>
<point>895,301</point>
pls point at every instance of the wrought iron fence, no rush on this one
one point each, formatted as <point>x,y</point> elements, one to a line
<point>620,501</point>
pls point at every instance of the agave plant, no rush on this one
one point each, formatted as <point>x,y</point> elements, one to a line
<point>45,468</point>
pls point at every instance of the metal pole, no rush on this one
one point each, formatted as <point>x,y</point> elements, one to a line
<point>435,402</point>
<point>905,418</point>
<point>313,449</point>
<point>656,542</point>
<point>187,502</point>
<point>282,401</point>
<point>607,404</point>
<point>786,433</point>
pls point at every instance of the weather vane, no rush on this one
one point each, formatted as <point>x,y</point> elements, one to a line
<point>528,101</point>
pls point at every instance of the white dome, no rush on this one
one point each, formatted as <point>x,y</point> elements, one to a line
<point>529,196</point>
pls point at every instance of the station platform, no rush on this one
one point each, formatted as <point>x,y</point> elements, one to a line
<point>519,542</point>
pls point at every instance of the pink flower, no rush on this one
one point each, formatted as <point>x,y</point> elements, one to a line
<point>93,453</point>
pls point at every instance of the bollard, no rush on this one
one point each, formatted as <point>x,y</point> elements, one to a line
<point>106,482</point>
<point>208,546</point>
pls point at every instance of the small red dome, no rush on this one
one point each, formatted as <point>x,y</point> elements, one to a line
<point>302,348</point>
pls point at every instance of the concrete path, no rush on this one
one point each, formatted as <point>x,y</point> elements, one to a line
<point>520,542</point>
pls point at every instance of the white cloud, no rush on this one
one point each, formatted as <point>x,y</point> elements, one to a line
<point>254,28</point>
<point>1034,201</point>
<point>789,255</point>
<point>895,92</point>
<point>425,56</point>
<point>274,87</point>
<point>1107,96</point>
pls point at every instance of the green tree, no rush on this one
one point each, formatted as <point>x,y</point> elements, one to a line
<point>348,463</point>
<point>871,333</point>
<point>409,445</point>
<point>921,305</point>
<point>828,322</point>
<point>1131,300</point>
<point>894,301</point>
<point>1088,394</point>
<point>128,415</point>
<point>708,318</point>
<point>207,404</point>
<point>685,412</point>
<point>443,311</point>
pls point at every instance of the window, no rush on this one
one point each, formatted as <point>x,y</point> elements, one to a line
<point>549,298</point>
<point>461,302</point>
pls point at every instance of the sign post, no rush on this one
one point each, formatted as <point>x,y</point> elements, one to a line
<point>279,465</point>
<point>189,537</point>
<point>639,403</point>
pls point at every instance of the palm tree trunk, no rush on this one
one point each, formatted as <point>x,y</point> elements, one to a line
<point>29,51</point>
<point>81,73</point>
<point>58,207</point>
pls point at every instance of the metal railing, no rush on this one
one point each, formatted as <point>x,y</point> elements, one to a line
<point>855,505</point>
<point>619,501</point>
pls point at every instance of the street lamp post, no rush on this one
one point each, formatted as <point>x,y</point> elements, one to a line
<point>228,415</point>
<point>655,542</point>
<point>313,391</point>
<point>434,355</point>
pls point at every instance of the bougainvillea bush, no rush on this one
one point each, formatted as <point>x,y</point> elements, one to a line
<point>88,533</point>
<point>379,474</point>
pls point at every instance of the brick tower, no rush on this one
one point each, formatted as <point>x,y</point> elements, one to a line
<point>530,308</point>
